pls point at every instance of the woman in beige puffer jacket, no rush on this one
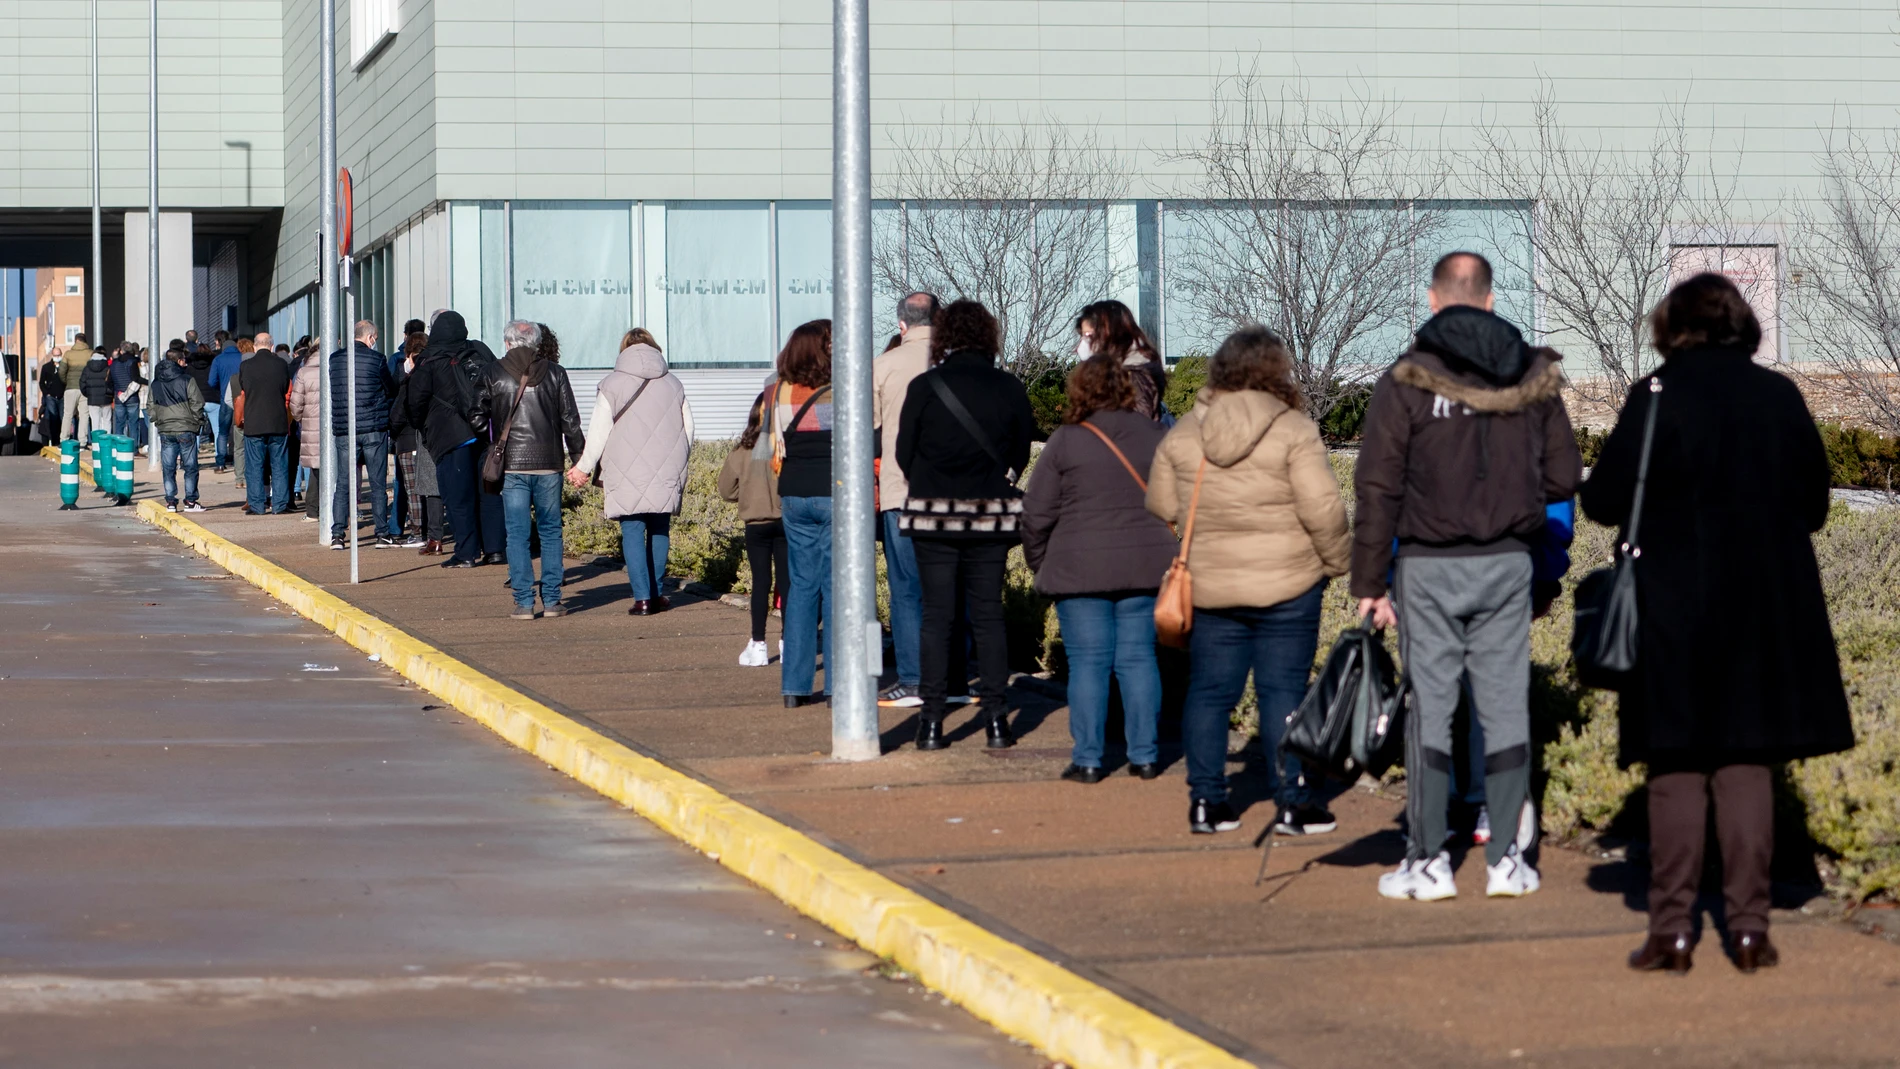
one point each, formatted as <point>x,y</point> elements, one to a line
<point>306,406</point>
<point>1269,532</point>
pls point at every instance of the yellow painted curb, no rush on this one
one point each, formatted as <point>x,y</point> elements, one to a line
<point>85,466</point>
<point>1026,996</point>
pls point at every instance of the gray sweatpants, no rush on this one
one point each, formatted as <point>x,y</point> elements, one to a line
<point>1466,618</point>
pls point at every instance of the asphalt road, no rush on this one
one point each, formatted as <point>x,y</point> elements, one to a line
<point>228,839</point>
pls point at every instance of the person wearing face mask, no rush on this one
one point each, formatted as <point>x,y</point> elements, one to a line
<point>1108,328</point>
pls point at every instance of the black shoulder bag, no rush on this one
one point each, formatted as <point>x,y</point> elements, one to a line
<point>1603,637</point>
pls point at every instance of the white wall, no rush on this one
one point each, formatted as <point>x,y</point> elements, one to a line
<point>174,277</point>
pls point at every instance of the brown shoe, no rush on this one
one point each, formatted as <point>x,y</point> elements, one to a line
<point>645,607</point>
<point>1665,952</point>
<point>431,548</point>
<point>1752,951</point>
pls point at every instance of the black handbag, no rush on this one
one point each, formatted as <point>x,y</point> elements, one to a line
<point>1603,636</point>
<point>1352,719</point>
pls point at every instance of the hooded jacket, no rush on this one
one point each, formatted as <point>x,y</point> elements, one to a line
<point>74,363</point>
<point>448,391</point>
<point>224,371</point>
<point>643,455</point>
<point>1466,441</point>
<point>1271,522</point>
<point>95,380</point>
<point>546,418</point>
<point>126,373</point>
<point>177,405</point>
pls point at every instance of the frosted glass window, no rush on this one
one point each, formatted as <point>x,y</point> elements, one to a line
<point>718,301</point>
<point>804,265</point>
<point>573,270</point>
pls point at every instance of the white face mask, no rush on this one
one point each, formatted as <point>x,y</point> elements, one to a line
<point>1084,348</point>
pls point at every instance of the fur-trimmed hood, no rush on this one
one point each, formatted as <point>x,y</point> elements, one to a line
<point>1480,360</point>
<point>1427,371</point>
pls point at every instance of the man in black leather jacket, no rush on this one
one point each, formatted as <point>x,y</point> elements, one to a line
<point>532,409</point>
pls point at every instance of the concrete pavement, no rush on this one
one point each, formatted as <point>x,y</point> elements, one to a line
<point>228,839</point>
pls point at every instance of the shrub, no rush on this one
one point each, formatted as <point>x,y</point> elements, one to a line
<point>1590,444</point>
<point>1185,380</point>
<point>708,538</point>
<point>1346,420</point>
<point>1049,399</point>
<point>1857,456</point>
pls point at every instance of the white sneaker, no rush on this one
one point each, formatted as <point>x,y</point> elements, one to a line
<point>1421,881</point>
<point>1511,877</point>
<point>754,655</point>
<point>1527,827</point>
<point>1481,831</point>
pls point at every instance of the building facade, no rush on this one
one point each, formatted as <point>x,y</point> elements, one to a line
<point>594,164</point>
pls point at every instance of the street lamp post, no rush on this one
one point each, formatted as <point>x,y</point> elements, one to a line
<point>326,259</point>
<point>857,643</point>
<point>151,223</point>
<point>95,290</point>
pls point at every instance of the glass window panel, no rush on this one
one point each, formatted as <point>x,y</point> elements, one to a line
<point>487,324</point>
<point>573,270</point>
<point>804,264</point>
<point>718,307</point>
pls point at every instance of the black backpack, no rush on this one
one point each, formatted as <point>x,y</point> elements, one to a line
<point>1352,719</point>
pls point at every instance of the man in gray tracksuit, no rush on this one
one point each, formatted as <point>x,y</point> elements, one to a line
<point>1466,441</point>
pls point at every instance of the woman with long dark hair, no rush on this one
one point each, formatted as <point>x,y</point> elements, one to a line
<point>747,481</point>
<point>1108,328</point>
<point>963,440</point>
<point>801,425</point>
<point>1736,669</point>
<point>1269,531</point>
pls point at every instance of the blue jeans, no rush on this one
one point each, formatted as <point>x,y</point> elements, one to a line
<point>1111,634</point>
<point>372,448</point>
<point>1277,643</point>
<point>220,416</point>
<point>536,500</point>
<point>179,450</point>
<point>125,421</point>
<point>643,542</point>
<point>907,599</point>
<point>272,450</point>
<point>808,602</point>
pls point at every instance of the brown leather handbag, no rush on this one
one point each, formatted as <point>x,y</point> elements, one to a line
<point>1174,604</point>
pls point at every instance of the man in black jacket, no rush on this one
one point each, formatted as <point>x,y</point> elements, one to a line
<point>1466,441</point>
<point>373,392</point>
<point>448,399</point>
<point>532,406</point>
<point>264,387</point>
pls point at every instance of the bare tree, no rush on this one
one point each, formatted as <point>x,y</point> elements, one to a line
<point>1011,214</point>
<point>1847,263</point>
<point>1308,220</point>
<point>1596,240</point>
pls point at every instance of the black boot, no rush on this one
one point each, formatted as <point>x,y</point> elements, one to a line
<point>998,735</point>
<point>930,734</point>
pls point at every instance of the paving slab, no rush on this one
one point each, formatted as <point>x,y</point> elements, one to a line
<point>231,840</point>
<point>1107,880</point>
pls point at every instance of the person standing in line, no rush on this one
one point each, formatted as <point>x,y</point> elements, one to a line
<point>198,360</point>
<point>408,515</point>
<point>1737,486</point>
<point>746,480</point>
<point>95,388</point>
<point>222,379</point>
<point>802,417</point>
<point>534,403</point>
<point>962,441</point>
<point>1108,327</point>
<point>126,378</point>
<point>306,408</point>
<point>891,376</point>
<point>1269,533</point>
<point>1466,444</point>
<point>417,466</point>
<point>451,408</point>
<point>264,394</point>
<point>178,415</point>
<point>52,399</point>
<point>373,390</point>
<point>1095,549</point>
<point>639,437</point>
<point>76,417</point>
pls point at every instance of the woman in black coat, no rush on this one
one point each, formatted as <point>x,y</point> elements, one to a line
<point>963,440</point>
<point>1736,668</point>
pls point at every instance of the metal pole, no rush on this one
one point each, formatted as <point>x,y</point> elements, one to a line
<point>326,257</point>
<point>349,388</point>
<point>857,642</point>
<point>95,288</point>
<point>151,222</point>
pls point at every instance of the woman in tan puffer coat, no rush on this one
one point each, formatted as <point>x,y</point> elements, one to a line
<point>1269,531</point>
<point>306,400</point>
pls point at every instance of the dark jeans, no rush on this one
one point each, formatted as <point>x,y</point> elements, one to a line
<point>1678,828</point>
<point>1104,635</point>
<point>808,597</point>
<point>765,550</point>
<point>312,497</point>
<point>221,442</point>
<point>459,474</point>
<point>1277,644</point>
<point>533,501</point>
<point>176,451</point>
<point>489,510</point>
<point>267,457</point>
<point>372,449</point>
<point>125,421</point>
<point>900,571</point>
<point>949,570</point>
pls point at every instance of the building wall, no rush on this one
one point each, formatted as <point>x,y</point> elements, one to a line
<point>56,310</point>
<point>220,80</point>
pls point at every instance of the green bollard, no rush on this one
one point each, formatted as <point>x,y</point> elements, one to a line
<point>122,457</point>
<point>69,475</point>
<point>101,461</point>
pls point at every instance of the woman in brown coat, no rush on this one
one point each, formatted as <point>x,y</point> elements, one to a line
<point>1269,530</point>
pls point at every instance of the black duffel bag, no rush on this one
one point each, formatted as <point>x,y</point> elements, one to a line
<point>1352,719</point>
<point>1603,633</point>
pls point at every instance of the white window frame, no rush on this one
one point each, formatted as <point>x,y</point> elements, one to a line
<point>72,333</point>
<point>373,24</point>
<point>73,286</point>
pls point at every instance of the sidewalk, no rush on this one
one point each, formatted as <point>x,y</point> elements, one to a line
<point>1107,880</point>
